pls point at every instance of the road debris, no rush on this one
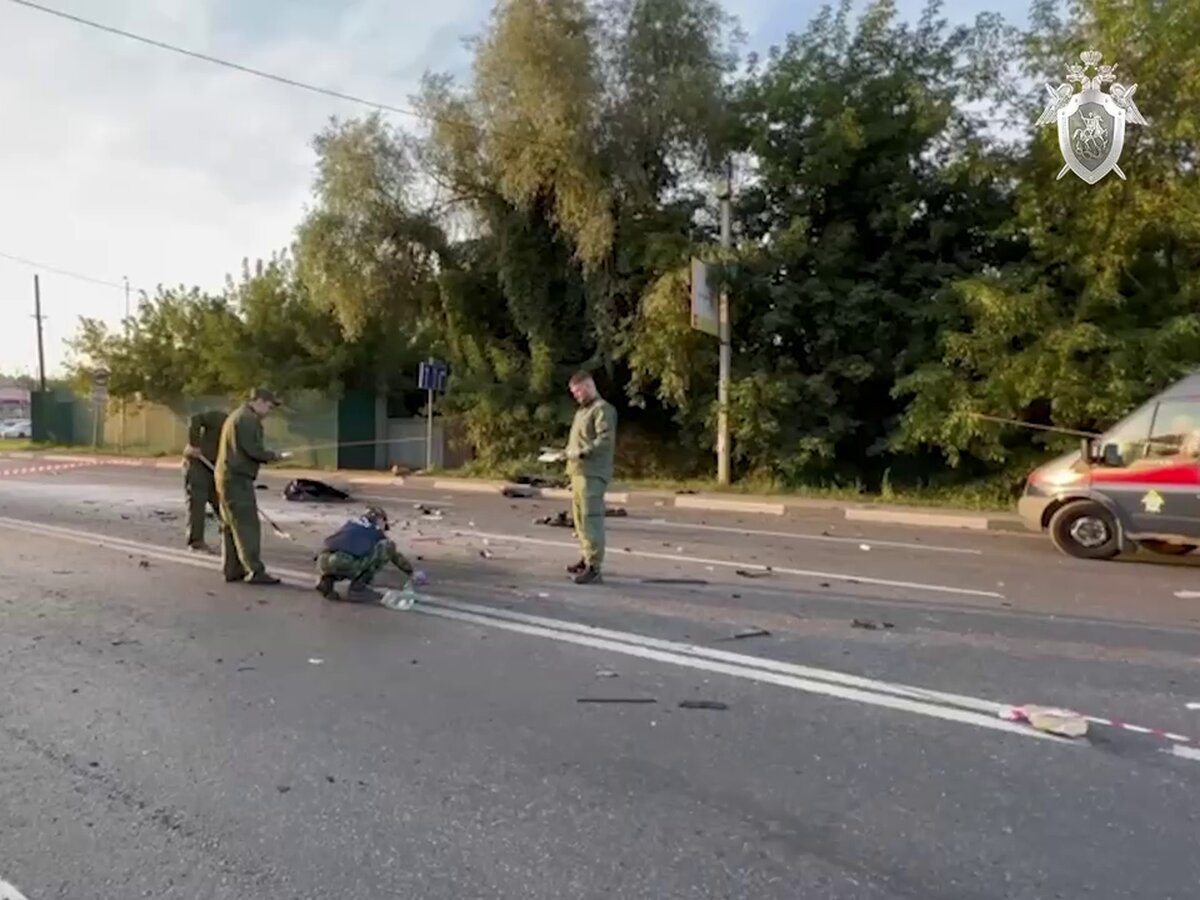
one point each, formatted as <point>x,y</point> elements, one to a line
<point>638,700</point>
<point>1187,595</point>
<point>864,546</point>
<point>1062,722</point>
<point>754,573</point>
<point>702,704</point>
<point>675,581</point>
<point>561,520</point>
<point>605,673</point>
<point>316,662</point>
<point>309,490</point>
<point>144,564</point>
<point>870,625</point>
<point>1193,706</point>
<point>487,554</point>
<point>747,633</point>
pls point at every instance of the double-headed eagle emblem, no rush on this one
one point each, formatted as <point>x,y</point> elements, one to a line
<point>1091,123</point>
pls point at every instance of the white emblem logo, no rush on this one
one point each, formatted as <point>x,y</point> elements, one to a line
<point>1091,123</point>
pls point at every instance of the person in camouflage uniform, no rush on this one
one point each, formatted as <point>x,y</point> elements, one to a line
<point>199,480</point>
<point>240,455</point>
<point>357,552</point>
<point>589,459</point>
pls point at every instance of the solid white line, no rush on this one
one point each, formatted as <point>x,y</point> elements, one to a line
<point>8,892</point>
<point>728,564</point>
<point>1192,753</point>
<point>741,659</point>
<point>899,704</point>
<point>899,698</point>
<point>793,536</point>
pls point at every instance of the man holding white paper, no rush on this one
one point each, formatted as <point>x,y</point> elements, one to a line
<point>589,459</point>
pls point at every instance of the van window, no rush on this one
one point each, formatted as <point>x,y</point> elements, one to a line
<point>1176,430</point>
<point>1132,434</point>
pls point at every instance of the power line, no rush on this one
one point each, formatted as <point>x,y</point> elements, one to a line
<point>204,57</point>
<point>66,273</point>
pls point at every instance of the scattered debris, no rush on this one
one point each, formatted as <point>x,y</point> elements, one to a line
<point>754,573</point>
<point>747,633</point>
<point>870,625</point>
<point>246,668</point>
<point>487,554</point>
<point>1187,595</point>
<point>643,700</point>
<point>702,704</point>
<point>144,564</point>
<point>561,520</point>
<point>428,512</point>
<point>617,512</point>
<point>283,788</point>
<point>316,662</point>
<point>309,490</point>
<point>1062,722</point>
<point>685,493</point>
<point>675,581</point>
<point>864,546</point>
<point>261,487</point>
<point>121,642</point>
<point>1193,706</point>
<point>605,673</point>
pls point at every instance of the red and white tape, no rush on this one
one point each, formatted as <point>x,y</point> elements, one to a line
<point>1141,729</point>
<point>38,470</point>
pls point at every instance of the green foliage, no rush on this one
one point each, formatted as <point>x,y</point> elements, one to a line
<point>900,263</point>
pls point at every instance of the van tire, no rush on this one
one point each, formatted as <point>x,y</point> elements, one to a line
<point>1162,548</point>
<point>1071,523</point>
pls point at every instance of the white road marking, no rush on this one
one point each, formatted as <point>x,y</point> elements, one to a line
<point>754,567</point>
<point>897,697</point>
<point>1193,706</point>
<point>8,892</point>
<point>1192,753</point>
<point>1187,595</point>
<point>793,536</point>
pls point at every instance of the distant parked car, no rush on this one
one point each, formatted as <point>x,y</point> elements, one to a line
<point>17,428</point>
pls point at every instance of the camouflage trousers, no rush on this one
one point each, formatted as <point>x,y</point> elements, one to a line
<point>587,509</point>
<point>362,569</point>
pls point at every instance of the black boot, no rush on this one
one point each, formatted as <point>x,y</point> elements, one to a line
<point>577,568</point>
<point>590,575</point>
<point>326,588</point>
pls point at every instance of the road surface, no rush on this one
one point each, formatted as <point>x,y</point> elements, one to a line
<point>163,734</point>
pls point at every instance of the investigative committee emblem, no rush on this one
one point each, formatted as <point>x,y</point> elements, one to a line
<point>1091,123</point>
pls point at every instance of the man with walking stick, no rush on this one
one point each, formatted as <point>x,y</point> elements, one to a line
<point>199,458</point>
<point>240,454</point>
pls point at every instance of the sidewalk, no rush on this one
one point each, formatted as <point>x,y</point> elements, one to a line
<point>759,505</point>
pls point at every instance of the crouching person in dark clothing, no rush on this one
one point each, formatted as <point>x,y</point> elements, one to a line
<point>357,552</point>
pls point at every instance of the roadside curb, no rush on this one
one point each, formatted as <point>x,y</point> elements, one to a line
<point>776,507</point>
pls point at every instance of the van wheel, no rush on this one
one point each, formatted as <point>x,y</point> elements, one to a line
<point>1085,530</point>
<point>1164,549</point>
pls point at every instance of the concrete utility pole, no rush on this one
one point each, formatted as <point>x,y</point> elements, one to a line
<point>37,314</point>
<point>124,418</point>
<point>723,328</point>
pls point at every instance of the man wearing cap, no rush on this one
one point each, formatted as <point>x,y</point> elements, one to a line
<point>240,454</point>
<point>199,460</point>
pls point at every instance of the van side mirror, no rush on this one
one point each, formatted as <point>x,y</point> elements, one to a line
<point>1111,456</point>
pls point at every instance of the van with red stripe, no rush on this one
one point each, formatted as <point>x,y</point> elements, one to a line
<point>1135,486</point>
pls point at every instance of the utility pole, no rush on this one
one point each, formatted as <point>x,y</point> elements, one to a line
<point>37,314</point>
<point>723,327</point>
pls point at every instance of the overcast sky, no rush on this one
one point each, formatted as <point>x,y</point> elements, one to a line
<point>120,160</point>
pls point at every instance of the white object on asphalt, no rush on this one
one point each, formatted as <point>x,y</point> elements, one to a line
<point>399,600</point>
<point>1187,595</point>
<point>1062,722</point>
<point>8,892</point>
<point>316,662</point>
<point>864,546</point>
<point>1193,706</point>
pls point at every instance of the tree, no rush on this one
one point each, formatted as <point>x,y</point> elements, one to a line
<point>1101,311</point>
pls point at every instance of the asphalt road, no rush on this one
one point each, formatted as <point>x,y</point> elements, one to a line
<point>163,734</point>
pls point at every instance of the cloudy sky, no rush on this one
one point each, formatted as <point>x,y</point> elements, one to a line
<point>120,160</point>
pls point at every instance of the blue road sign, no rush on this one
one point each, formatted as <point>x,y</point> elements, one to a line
<point>432,375</point>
